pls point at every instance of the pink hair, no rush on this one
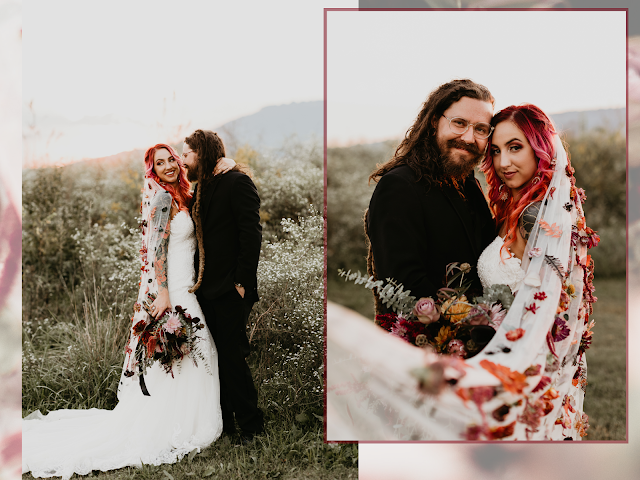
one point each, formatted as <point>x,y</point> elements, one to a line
<point>539,131</point>
<point>182,193</point>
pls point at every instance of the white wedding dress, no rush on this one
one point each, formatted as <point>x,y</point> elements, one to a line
<point>496,267</point>
<point>180,415</point>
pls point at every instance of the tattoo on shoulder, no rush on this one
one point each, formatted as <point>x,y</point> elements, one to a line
<point>163,200</point>
<point>528,219</point>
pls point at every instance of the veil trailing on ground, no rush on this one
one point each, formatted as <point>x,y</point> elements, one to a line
<point>156,210</point>
<point>528,383</point>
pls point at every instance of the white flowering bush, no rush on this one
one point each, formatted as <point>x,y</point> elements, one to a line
<point>109,257</point>
<point>286,326</point>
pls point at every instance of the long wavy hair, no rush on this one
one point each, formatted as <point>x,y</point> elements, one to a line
<point>181,193</point>
<point>539,131</point>
<point>419,148</point>
<point>209,148</point>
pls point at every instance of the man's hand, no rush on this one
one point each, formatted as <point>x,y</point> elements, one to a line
<point>240,290</point>
<point>224,165</point>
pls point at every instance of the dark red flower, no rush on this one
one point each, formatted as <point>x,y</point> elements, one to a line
<point>139,327</point>
<point>151,346</point>
<point>540,296</point>
<point>473,433</point>
<point>386,320</point>
<point>413,329</point>
<point>532,308</point>
<point>559,330</point>
<point>544,381</point>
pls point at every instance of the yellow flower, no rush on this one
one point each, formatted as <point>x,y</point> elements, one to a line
<point>455,309</point>
<point>570,289</point>
<point>443,335</point>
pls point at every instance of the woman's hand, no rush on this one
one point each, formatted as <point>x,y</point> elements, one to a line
<point>224,165</point>
<point>160,304</point>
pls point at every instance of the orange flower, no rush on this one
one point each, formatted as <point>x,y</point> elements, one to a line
<point>512,381</point>
<point>464,394</point>
<point>497,433</point>
<point>443,335</point>
<point>550,394</point>
<point>455,309</point>
<point>514,335</point>
<point>553,230</point>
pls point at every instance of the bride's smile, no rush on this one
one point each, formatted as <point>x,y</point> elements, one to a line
<point>166,166</point>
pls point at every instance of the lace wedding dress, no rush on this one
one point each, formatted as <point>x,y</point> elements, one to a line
<point>180,415</point>
<point>496,267</point>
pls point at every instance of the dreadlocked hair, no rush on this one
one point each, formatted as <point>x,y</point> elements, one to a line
<point>371,268</point>
<point>209,149</point>
<point>419,148</point>
<point>539,131</point>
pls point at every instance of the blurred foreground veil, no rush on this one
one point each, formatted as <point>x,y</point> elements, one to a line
<point>10,238</point>
<point>371,393</point>
<point>527,384</point>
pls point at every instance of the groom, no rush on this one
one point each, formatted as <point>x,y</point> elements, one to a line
<point>427,209</point>
<point>225,212</point>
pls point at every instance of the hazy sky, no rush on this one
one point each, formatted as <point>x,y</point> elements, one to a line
<point>219,59</point>
<point>382,65</point>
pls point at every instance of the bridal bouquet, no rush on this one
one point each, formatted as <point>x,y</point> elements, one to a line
<point>451,323</point>
<point>166,339</point>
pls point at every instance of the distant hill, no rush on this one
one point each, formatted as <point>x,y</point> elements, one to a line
<point>273,125</point>
<point>568,122</point>
<point>610,118</point>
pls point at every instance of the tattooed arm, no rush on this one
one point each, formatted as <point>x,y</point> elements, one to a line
<point>528,220</point>
<point>162,301</point>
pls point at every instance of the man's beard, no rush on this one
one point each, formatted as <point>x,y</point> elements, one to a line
<point>461,169</point>
<point>192,173</point>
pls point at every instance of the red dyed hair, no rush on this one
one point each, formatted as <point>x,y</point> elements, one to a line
<point>539,131</point>
<point>181,193</point>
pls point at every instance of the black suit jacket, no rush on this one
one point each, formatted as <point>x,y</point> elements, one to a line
<point>416,231</point>
<point>232,236</point>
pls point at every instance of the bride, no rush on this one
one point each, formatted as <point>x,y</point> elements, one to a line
<point>528,383</point>
<point>176,413</point>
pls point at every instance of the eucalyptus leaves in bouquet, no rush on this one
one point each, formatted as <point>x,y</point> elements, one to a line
<point>450,324</point>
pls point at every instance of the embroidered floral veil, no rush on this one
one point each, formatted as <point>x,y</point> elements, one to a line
<point>528,388</point>
<point>156,210</point>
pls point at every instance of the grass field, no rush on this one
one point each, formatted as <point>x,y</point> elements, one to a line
<point>605,400</point>
<point>283,453</point>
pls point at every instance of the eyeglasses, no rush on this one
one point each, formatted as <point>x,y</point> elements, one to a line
<point>184,154</point>
<point>459,126</point>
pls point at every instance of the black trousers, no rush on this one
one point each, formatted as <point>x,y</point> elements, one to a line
<point>226,317</point>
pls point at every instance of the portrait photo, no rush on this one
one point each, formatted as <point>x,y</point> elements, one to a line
<point>476,206</point>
